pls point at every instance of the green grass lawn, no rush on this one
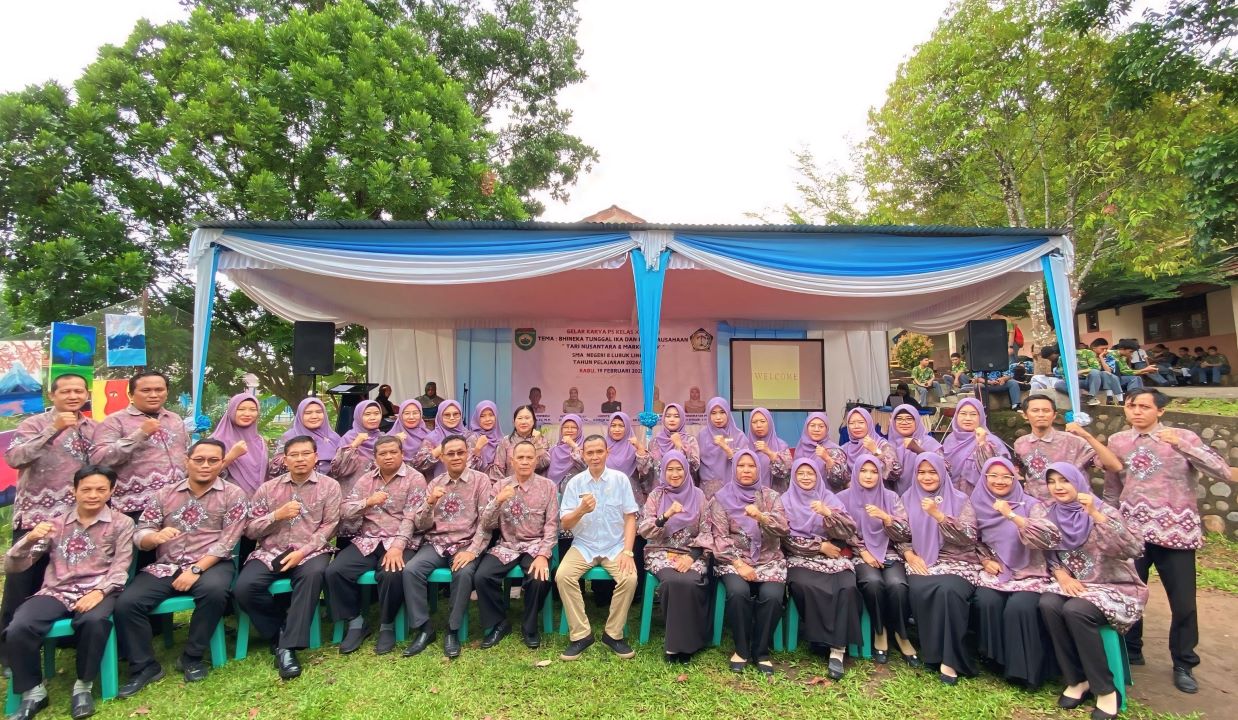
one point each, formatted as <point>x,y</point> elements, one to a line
<point>511,681</point>
<point>1217,564</point>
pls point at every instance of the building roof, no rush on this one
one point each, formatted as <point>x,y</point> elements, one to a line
<point>613,214</point>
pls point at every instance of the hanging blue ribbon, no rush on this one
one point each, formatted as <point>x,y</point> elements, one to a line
<point>649,282</point>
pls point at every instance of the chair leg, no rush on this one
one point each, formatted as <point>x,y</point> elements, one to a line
<point>1115,656</point>
<point>219,648</point>
<point>11,699</point>
<point>778,635</point>
<point>866,633</point>
<point>109,669</point>
<point>401,625</point>
<point>242,635</point>
<point>315,634</point>
<point>646,611</point>
<point>49,658</point>
<point>719,613</point>
<point>793,625</point>
<point>337,632</point>
<point>168,627</point>
<point>548,614</point>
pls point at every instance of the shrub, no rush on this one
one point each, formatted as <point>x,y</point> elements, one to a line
<point>910,348</point>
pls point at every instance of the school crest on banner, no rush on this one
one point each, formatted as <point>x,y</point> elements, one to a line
<point>526,338</point>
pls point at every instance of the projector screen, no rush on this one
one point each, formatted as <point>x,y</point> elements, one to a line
<point>777,374</point>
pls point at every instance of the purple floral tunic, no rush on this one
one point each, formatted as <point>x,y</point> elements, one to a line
<point>1105,564</point>
<point>727,542</point>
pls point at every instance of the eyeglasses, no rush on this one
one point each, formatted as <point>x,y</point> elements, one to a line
<point>456,453</point>
<point>999,476</point>
<point>299,456</point>
<point>206,461</point>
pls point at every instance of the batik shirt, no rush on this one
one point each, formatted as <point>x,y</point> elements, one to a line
<point>309,532</point>
<point>726,541</point>
<point>1035,455</point>
<point>1106,567</point>
<point>45,459</point>
<point>660,545</point>
<point>209,525</point>
<point>84,558</point>
<point>144,464</point>
<point>389,524</point>
<point>528,523</point>
<point>453,524</point>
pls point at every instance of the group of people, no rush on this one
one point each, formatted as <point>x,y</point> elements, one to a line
<point>111,518</point>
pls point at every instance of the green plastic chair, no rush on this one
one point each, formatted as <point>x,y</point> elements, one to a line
<point>109,670</point>
<point>282,586</point>
<point>863,650</point>
<point>180,603</point>
<point>1119,662</point>
<point>401,625</point>
<point>597,572</point>
<point>720,614</point>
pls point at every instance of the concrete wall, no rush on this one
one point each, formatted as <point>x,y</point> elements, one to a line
<point>1127,322</point>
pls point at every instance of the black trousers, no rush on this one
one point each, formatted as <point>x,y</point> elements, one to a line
<point>885,594</point>
<point>829,606</point>
<point>752,611</point>
<point>492,606</point>
<point>1013,634</point>
<point>1176,568</point>
<point>942,606</point>
<point>685,607</point>
<point>145,591</point>
<point>265,611</point>
<point>1074,625</point>
<point>31,623</point>
<point>344,594</point>
<point>416,582</point>
<point>18,586</point>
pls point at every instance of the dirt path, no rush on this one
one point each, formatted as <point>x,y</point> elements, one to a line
<point>1217,673</point>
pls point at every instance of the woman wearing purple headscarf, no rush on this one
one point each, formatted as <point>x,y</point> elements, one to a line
<point>815,443</point>
<point>820,576</point>
<point>449,421</point>
<point>745,524</point>
<point>628,454</point>
<point>943,564</point>
<point>670,436</point>
<point>524,429</point>
<point>969,445</point>
<point>773,454</point>
<point>909,438</point>
<point>356,453</point>
<point>487,455</point>
<point>246,457</point>
<point>865,440</point>
<point>310,420</point>
<point>1014,531</point>
<point>1095,582</point>
<point>670,522</point>
<point>410,427</point>
<point>879,571</point>
<point>565,459</point>
<point>719,440</point>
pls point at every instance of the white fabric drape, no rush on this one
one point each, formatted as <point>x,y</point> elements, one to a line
<point>408,358</point>
<point>857,367</point>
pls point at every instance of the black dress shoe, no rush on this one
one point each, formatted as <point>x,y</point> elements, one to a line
<point>29,708</point>
<point>1135,658</point>
<point>1098,714</point>
<point>913,661</point>
<point>881,657</point>
<point>194,670</point>
<point>739,666</point>
<point>451,643</point>
<point>82,705</point>
<point>286,663</point>
<point>419,643</point>
<point>148,675</point>
<point>835,669</point>
<point>533,641</point>
<point>499,632</point>
<point>1184,680</point>
<point>766,668</point>
<point>948,679</point>
<point>353,639</point>
<point>1069,703</point>
<point>385,642</point>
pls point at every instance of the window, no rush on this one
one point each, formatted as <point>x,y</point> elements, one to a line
<point>1176,319</point>
<point>1093,321</point>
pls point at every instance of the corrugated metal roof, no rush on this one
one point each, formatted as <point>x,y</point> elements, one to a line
<point>909,230</point>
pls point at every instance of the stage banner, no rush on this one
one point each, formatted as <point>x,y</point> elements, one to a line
<point>594,370</point>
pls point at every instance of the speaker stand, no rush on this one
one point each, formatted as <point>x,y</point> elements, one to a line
<point>313,386</point>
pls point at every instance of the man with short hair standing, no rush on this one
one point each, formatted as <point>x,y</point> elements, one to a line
<point>1045,445</point>
<point>598,507</point>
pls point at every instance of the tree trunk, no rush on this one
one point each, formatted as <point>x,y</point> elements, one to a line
<point>1038,313</point>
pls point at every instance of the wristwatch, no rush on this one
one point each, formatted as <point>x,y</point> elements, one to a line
<point>629,553</point>
<point>195,569</point>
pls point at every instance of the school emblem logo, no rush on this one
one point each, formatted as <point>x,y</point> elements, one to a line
<point>702,341</point>
<point>526,338</point>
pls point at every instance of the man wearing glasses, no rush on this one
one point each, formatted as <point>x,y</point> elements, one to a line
<point>193,527</point>
<point>293,517</point>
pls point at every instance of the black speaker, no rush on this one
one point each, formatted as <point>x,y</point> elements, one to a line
<point>988,348</point>
<point>313,348</point>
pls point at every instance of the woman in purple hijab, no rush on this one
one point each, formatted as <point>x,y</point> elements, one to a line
<point>908,436</point>
<point>719,440</point>
<point>565,459</point>
<point>410,427</point>
<point>1014,531</point>
<point>863,439</point>
<point>671,435</point>
<point>449,421</point>
<point>820,577</point>
<point>670,522</point>
<point>773,454</point>
<point>970,444</point>
<point>879,571</point>
<point>744,529</point>
<point>815,443</point>
<point>1094,583</point>
<point>246,457</point>
<point>943,563</point>
<point>310,420</point>
<point>356,453</point>
<point>628,454</point>
<point>488,455</point>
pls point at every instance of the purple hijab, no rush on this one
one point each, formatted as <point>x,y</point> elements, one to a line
<point>620,454</point>
<point>662,438</point>
<point>689,496</point>
<point>561,454</point>
<point>494,433</point>
<point>327,440</point>
<point>249,470</point>
<point>904,455</point>
<point>440,431</point>
<point>366,448</point>
<point>773,442</point>
<point>714,465</point>
<point>797,502</point>
<point>412,438</point>
<point>854,447</point>
<point>1071,519</point>
<point>1001,535</point>
<point>734,497</point>
<point>960,445</point>
<point>856,497</point>
<point>807,447</point>
<point>925,533</point>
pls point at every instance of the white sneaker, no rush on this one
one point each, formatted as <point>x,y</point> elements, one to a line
<point>1093,400</point>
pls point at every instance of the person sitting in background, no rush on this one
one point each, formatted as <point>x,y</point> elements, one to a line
<point>923,378</point>
<point>1214,366</point>
<point>429,404</point>
<point>1163,360</point>
<point>384,402</point>
<point>902,396</point>
<point>957,375</point>
<point>1003,380</point>
<point>1119,357</point>
<point>1091,377</point>
<point>1186,367</point>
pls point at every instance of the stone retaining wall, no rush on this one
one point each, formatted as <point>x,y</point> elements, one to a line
<point>1218,501</point>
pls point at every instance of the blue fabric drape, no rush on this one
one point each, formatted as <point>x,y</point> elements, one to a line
<point>1063,321</point>
<point>853,255</point>
<point>205,298</point>
<point>649,282</point>
<point>435,243</point>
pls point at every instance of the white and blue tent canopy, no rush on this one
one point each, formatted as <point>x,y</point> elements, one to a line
<point>415,284</point>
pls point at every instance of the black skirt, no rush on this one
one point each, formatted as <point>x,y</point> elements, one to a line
<point>829,606</point>
<point>941,605</point>
<point>1013,635</point>
<point>685,605</point>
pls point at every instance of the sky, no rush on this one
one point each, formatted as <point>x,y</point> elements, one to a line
<point>694,107</point>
